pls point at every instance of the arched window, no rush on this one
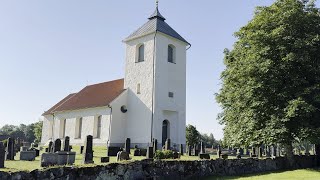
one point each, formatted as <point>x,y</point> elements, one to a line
<point>171,53</point>
<point>165,131</point>
<point>141,53</point>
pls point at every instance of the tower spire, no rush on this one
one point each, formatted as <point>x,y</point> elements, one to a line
<point>157,3</point>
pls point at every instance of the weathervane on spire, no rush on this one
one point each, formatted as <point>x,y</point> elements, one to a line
<point>157,3</point>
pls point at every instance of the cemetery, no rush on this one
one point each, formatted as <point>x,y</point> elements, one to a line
<point>30,162</point>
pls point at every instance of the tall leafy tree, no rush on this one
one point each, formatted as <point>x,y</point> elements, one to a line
<point>192,135</point>
<point>271,84</point>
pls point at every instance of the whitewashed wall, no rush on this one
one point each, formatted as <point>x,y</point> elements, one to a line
<point>87,115</point>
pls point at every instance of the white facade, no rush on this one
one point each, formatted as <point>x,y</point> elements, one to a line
<point>151,113</point>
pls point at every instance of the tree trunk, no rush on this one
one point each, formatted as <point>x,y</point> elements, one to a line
<point>289,154</point>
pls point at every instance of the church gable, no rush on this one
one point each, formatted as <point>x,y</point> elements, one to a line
<point>96,95</point>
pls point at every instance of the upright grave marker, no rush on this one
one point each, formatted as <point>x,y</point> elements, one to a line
<point>2,155</point>
<point>88,152</point>
<point>57,145</point>
<point>66,144</point>
<point>127,145</point>
<point>155,145</point>
<point>203,150</point>
<point>10,149</point>
<point>189,150</point>
<point>50,147</point>
<point>167,144</point>
<point>181,149</point>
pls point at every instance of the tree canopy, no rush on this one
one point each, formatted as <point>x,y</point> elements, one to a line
<point>271,85</point>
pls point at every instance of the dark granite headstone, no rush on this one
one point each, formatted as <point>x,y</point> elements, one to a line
<point>37,152</point>
<point>50,147</point>
<point>240,150</point>
<point>113,151</point>
<point>57,145</point>
<point>167,145</point>
<point>81,149</point>
<point>274,151</point>
<point>136,152</point>
<point>143,152</point>
<point>66,144</point>
<point>10,149</point>
<point>2,155</point>
<point>155,145</point>
<point>253,152</point>
<point>189,150</point>
<point>122,156</point>
<point>105,159</point>
<point>150,153</point>
<point>268,151</point>
<point>88,151</point>
<point>247,151</point>
<point>127,145</point>
<point>204,156</point>
<point>47,150</point>
<point>181,149</point>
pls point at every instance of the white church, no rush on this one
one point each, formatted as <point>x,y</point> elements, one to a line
<point>149,103</point>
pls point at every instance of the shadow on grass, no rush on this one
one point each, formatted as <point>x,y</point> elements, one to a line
<point>317,170</point>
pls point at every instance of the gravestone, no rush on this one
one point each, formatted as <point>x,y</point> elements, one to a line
<point>50,147</point>
<point>189,150</point>
<point>253,152</point>
<point>88,152</point>
<point>105,159</point>
<point>274,151</point>
<point>81,149</point>
<point>204,156</point>
<point>122,155</point>
<point>10,149</point>
<point>66,157</point>
<point>27,155</point>
<point>268,151</point>
<point>155,145</point>
<point>47,150</point>
<point>203,150</point>
<point>57,145</point>
<point>2,155</point>
<point>113,151</point>
<point>247,151</point>
<point>181,149</point>
<point>49,159</point>
<point>219,151</point>
<point>136,152</point>
<point>240,150</point>
<point>195,150</point>
<point>127,145</point>
<point>143,152</point>
<point>307,150</point>
<point>66,144</point>
<point>260,152</point>
<point>167,144</point>
<point>150,153</point>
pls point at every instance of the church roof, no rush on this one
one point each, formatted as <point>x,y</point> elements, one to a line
<point>96,95</point>
<point>156,23</point>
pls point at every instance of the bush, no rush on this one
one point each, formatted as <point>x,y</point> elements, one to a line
<point>168,154</point>
<point>159,155</point>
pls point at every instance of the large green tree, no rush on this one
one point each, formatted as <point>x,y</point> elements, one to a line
<point>271,84</point>
<point>192,135</point>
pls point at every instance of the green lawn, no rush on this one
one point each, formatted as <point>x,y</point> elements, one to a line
<point>305,174</point>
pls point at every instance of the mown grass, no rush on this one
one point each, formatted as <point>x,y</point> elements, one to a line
<point>304,174</point>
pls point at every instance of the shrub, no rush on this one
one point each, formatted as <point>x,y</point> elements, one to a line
<point>168,154</point>
<point>159,155</point>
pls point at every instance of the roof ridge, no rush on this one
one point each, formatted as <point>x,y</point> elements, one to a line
<point>104,82</point>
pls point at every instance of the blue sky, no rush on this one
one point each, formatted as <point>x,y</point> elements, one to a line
<point>49,49</point>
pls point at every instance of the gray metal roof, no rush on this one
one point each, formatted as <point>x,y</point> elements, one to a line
<point>156,23</point>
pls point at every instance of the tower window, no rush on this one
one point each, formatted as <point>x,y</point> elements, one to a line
<point>171,53</point>
<point>138,89</point>
<point>140,53</point>
<point>171,94</point>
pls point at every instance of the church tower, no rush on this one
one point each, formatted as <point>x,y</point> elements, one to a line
<point>155,78</point>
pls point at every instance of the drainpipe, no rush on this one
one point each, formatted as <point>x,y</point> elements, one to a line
<point>153,83</point>
<point>110,125</point>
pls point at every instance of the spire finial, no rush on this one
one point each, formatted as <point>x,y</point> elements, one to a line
<point>157,3</point>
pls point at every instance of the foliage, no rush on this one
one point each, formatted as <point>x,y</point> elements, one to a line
<point>192,135</point>
<point>271,84</point>
<point>167,154</point>
<point>38,131</point>
<point>30,133</point>
<point>209,140</point>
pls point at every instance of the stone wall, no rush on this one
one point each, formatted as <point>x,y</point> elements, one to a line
<point>149,169</point>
